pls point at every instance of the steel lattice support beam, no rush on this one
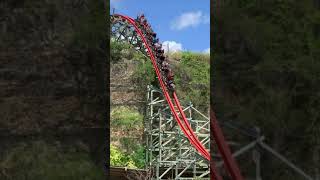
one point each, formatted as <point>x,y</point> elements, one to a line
<point>127,30</point>
<point>168,151</point>
<point>123,32</point>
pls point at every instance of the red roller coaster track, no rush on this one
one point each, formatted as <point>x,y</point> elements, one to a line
<point>184,124</point>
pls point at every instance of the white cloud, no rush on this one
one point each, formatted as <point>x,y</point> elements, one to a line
<point>206,51</point>
<point>189,19</point>
<point>173,46</point>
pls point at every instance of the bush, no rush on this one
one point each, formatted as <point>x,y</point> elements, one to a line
<point>192,76</point>
<point>134,160</point>
<point>126,118</point>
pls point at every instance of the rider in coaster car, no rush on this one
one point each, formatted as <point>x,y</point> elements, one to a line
<point>150,29</point>
<point>154,35</point>
<point>160,51</point>
<point>145,23</point>
<point>170,75</point>
<point>170,78</point>
<point>158,47</point>
<point>140,17</point>
<point>165,66</point>
<point>171,85</point>
<point>161,59</point>
<point>155,40</point>
<point>158,55</point>
<point>149,39</point>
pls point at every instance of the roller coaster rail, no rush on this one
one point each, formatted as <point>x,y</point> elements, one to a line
<point>124,28</point>
<point>168,151</point>
<point>168,148</point>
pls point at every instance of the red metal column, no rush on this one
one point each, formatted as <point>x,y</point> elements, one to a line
<point>223,148</point>
<point>214,175</point>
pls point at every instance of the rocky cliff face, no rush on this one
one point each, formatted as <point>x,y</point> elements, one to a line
<point>128,82</point>
<point>124,90</point>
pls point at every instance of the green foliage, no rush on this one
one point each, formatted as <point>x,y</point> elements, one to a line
<point>138,156</point>
<point>144,73</point>
<point>192,79</point>
<point>131,153</point>
<point>192,73</point>
<point>192,76</point>
<point>197,67</point>
<point>118,49</point>
<point>135,159</point>
<point>117,158</point>
<point>40,161</point>
<point>126,118</point>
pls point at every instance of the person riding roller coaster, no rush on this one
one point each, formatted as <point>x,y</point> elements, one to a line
<point>157,46</point>
<point>170,78</point>
<point>161,59</point>
<point>142,21</point>
<point>140,18</point>
<point>168,75</point>
<point>158,55</point>
<point>145,23</point>
<point>146,28</point>
<point>160,51</point>
<point>155,40</point>
<point>154,35</point>
<point>151,36</point>
<point>163,64</point>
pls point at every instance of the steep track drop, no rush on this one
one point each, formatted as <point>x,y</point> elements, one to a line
<point>138,40</point>
<point>185,126</point>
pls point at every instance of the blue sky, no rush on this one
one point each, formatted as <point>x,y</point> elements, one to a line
<point>183,24</point>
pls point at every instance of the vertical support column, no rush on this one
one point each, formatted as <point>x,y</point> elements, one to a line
<point>147,150</point>
<point>160,136</point>
<point>179,152</point>
<point>146,132</point>
<point>150,125</point>
<point>158,169</point>
<point>194,164</point>
<point>190,110</point>
<point>256,156</point>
